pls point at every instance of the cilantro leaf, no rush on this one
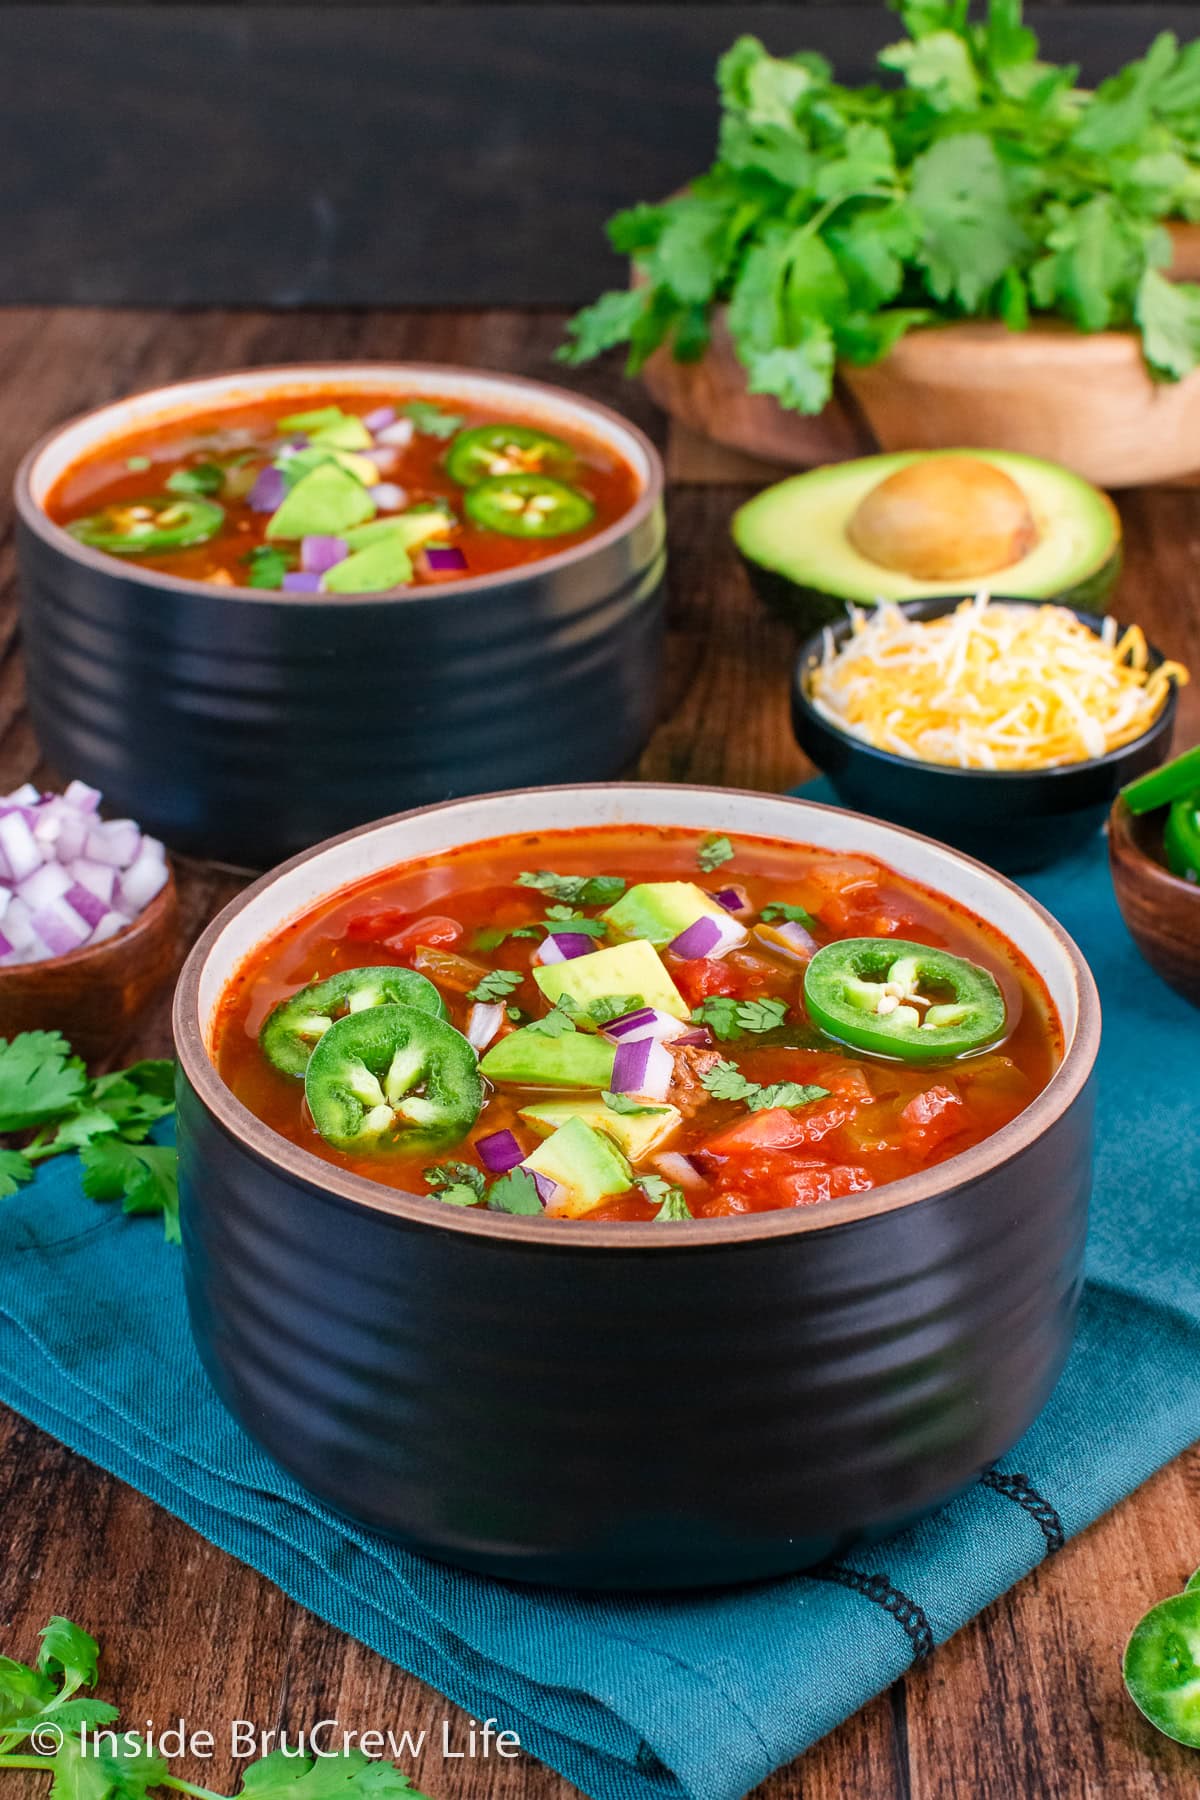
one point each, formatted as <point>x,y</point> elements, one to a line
<point>15,1170</point>
<point>575,890</point>
<point>1169,315</point>
<point>970,229</point>
<point>625,1103</point>
<point>565,918</point>
<point>609,321</point>
<point>607,1007</point>
<point>495,985</point>
<point>144,1177</point>
<point>24,1692</point>
<point>729,1019</point>
<point>490,937</point>
<point>431,420</point>
<point>558,1021</point>
<point>267,566</point>
<point>457,1183</point>
<point>68,1653</point>
<point>725,1081</point>
<point>713,852</point>
<point>939,66</point>
<point>783,909</point>
<point>202,478</point>
<point>673,1203</point>
<point>515,1192</point>
<point>351,1776</point>
<point>39,1079</point>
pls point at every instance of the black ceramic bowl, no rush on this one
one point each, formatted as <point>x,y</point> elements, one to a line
<point>624,1404</point>
<point>1016,820</point>
<point>245,725</point>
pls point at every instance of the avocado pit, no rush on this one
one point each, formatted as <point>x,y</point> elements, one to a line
<point>944,518</point>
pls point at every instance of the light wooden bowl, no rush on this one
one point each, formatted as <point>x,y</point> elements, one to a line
<point>94,995</point>
<point>1161,911</point>
<point>1088,401</point>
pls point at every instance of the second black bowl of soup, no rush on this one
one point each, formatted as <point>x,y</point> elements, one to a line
<point>260,608</point>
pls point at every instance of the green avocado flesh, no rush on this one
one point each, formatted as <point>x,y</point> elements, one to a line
<point>794,539</point>
<point>585,1163</point>
<point>575,1060</point>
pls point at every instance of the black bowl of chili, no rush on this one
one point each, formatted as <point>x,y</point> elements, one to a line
<point>1015,819</point>
<point>597,1392</point>
<point>262,607</point>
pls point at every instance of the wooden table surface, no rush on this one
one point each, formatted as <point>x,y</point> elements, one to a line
<point>1027,1701</point>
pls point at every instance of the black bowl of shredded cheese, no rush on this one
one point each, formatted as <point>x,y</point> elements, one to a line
<point>1003,727</point>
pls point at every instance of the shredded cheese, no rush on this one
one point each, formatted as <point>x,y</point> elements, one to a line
<point>991,686</point>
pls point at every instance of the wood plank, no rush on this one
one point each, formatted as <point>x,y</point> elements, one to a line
<point>1026,1703</point>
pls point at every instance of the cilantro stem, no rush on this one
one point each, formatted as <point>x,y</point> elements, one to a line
<point>26,1762</point>
<point>189,1787</point>
<point>813,225</point>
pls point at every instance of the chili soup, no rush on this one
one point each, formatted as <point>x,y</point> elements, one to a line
<point>636,1023</point>
<point>318,492</point>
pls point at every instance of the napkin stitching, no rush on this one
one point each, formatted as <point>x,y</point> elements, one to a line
<point>1020,1489</point>
<point>911,1617</point>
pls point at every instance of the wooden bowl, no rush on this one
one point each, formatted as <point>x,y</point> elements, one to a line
<point>1161,911</point>
<point>94,994</point>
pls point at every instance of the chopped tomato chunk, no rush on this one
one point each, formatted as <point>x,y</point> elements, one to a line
<point>702,977</point>
<point>931,1117</point>
<point>432,931</point>
<point>776,1128</point>
<point>774,1178</point>
<point>376,927</point>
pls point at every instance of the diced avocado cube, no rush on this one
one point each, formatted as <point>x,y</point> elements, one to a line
<point>635,1133</point>
<point>533,1059</point>
<point>620,969</point>
<point>301,462</point>
<point>347,433</point>
<point>380,565</point>
<point>323,503</point>
<point>659,910</point>
<point>587,1166</point>
<point>315,419</point>
<point>409,529</point>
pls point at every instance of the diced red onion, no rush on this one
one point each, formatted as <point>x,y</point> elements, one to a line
<point>499,1152</point>
<point>6,949</point>
<point>707,937</point>
<point>444,558</point>
<point>563,946</point>
<point>483,1022</point>
<point>384,456</point>
<point>792,937</point>
<point>268,491</point>
<point>318,553</point>
<point>644,1068</point>
<point>60,928</point>
<point>696,1036</point>
<point>387,496</point>
<point>380,418</point>
<point>647,1022</point>
<point>301,581</point>
<point>399,434</point>
<point>546,1186</point>
<point>733,899</point>
<point>680,1169</point>
<point>90,878</point>
<point>18,847</point>
<point>90,909</point>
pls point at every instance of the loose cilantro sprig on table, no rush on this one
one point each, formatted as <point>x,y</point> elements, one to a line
<point>574,890</point>
<point>981,182</point>
<point>730,1019</point>
<point>47,1098</point>
<point>725,1081</point>
<point>713,852</point>
<point>48,1724</point>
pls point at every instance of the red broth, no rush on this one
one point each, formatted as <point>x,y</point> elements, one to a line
<point>250,431</point>
<point>883,1119</point>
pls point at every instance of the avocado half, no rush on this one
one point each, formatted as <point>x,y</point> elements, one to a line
<point>795,539</point>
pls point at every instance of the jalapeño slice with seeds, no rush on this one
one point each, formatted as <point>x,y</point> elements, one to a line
<point>894,998</point>
<point>528,506</point>
<point>505,449</point>
<point>1162,1667</point>
<point>160,522</point>
<point>297,1025</point>
<point>392,1078</point>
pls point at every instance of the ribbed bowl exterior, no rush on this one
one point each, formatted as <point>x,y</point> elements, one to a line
<point>249,730</point>
<point>1015,821</point>
<point>616,1417</point>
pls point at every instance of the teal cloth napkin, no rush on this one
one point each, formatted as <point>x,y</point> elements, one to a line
<point>700,1696</point>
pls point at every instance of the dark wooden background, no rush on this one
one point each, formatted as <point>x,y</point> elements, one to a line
<point>418,155</point>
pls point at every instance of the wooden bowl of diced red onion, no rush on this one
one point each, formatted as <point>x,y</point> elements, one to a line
<point>88,915</point>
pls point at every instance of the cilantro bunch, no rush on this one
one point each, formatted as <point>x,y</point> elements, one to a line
<point>983,183</point>
<point>49,1102</point>
<point>47,1723</point>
